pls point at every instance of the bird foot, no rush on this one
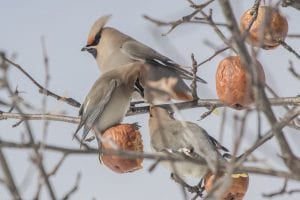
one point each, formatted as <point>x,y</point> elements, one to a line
<point>198,189</point>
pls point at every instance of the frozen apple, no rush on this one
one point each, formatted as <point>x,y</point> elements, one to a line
<point>233,87</point>
<point>122,137</point>
<point>237,189</point>
<point>268,29</point>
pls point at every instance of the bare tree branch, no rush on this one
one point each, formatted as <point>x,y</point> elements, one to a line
<point>8,177</point>
<point>74,188</point>
<point>69,101</point>
<point>209,103</point>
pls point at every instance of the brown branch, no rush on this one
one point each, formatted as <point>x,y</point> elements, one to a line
<point>282,191</point>
<point>293,71</point>
<point>207,113</point>
<point>8,177</point>
<point>216,29</point>
<point>289,48</point>
<point>184,19</point>
<point>38,191</point>
<point>39,162</point>
<point>74,188</point>
<point>46,84</point>
<point>293,36</point>
<point>68,151</point>
<point>268,172</point>
<point>208,103</point>
<point>152,156</point>
<point>50,117</point>
<point>173,24</point>
<point>69,101</point>
<point>292,101</point>
<point>280,125</point>
<point>194,82</point>
<point>212,56</point>
<point>57,166</point>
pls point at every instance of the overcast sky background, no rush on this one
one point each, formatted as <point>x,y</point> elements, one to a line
<point>65,26</point>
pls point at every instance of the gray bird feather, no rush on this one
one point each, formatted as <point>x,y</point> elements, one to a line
<point>138,51</point>
<point>92,109</point>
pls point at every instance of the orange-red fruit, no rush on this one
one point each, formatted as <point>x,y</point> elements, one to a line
<point>123,137</point>
<point>237,189</point>
<point>232,85</point>
<point>274,25</point>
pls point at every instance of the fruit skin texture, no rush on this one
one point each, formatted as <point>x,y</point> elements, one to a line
<point>236,191</point>
<point>123,137</point>
<point>275,28</point>
<point>233,87</point>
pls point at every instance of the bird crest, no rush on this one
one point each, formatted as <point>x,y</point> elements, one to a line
<point>97,27</point>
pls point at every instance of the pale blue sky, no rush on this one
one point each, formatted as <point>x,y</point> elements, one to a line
<point>65,25</point>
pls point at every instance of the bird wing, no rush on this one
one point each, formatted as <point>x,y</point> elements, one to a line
<point>217,144</point>
<point>138,51</point>
<point>91,112</point>
<point>204,144</point>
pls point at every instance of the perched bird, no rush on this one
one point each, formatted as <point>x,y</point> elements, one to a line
<point>184,139</point>
<point>108,100</point>
<point>112,48</point>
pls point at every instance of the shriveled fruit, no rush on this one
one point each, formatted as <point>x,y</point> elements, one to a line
<point>237,189</point>
<point>268,29</point>
<point>123,137</point>
<point>232,85</point>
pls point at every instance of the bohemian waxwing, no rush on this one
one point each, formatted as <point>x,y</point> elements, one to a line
<point>184,139</point>
<point>108,100</point>
<point>112,48</point>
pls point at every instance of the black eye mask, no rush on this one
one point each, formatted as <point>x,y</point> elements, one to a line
<point>96,39</point>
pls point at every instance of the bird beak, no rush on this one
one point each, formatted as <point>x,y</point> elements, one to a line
<point>91,50</point>
<point>84,48</point>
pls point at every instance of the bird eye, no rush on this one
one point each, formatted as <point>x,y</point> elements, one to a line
<point>96,39</point>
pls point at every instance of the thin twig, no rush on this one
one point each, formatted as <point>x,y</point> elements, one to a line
<point>207,113</point>
<point>212,56</point>
<point>57,166</point>
<point>39,162</point>
<point>194,81</point>
<point>293,71</point>
<point>46,85</point>
<point>289,48</point>
<point>74,188</point>
<point>184,19</point>
<point>8,177</point>
<point>217,30</point>
<point>293,36</point>
<point>208,103</point>
<point>279,125</point>
<point>69,101</point>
